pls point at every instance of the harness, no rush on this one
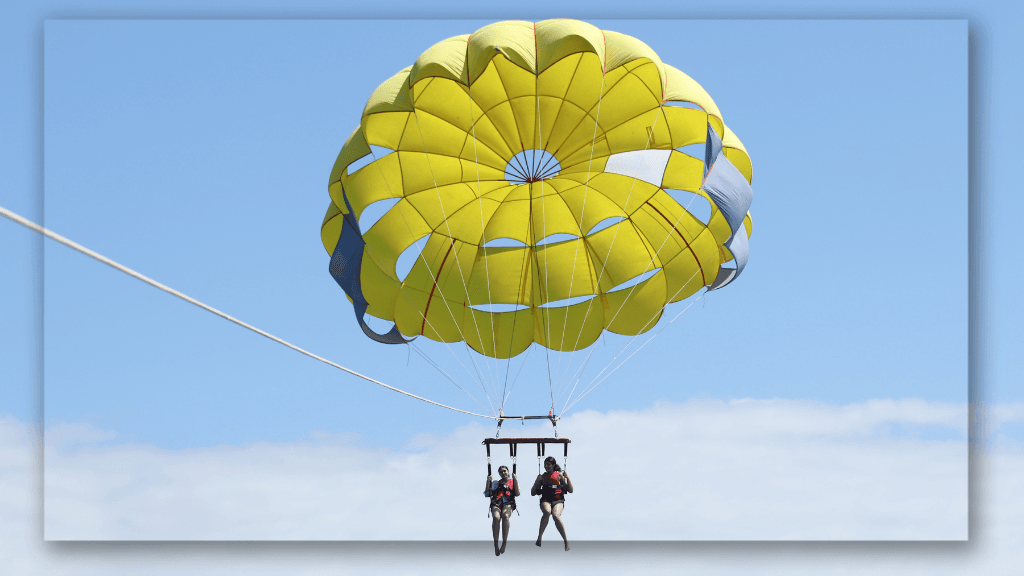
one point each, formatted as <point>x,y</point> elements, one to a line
<point>551,488</point>
<point>504,494</point>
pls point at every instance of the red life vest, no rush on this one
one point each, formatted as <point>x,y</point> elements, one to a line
<point>551,488</point>
<point>504,494</point>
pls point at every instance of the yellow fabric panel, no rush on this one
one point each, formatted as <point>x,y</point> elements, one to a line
<point>451,281</point>
<point>481,151</point>
<point>516,81</point>
<point>391,96</point>
<point>487,91</point>
<point>385,129</point>
<point>730,140</point>
<point>446,59</point>
<point>741,161</point>
<point>433,257</point>
<point>687,224</point>
<point>428,133</point>
<point>442,321</point>
<point>584,153</point>
<point>585,89</point>
<point>556,275</point>
<point>590,206</point>
<point>623,49</point>
<point>500,192</point>
<point>471,171</point>
<point>551,216</point>
<point>330,230</point>
<point>448,101</point>
<point>627,99</point>
<point>377,180</point>
<point>524,109</point>
<point>692,268</point>
<point>502,335</point>
<point>718,225</point>
<point>620,253</point>
<point>513,39</point>
<point>504,121</point>
<point>510,220</point>
<point>659,226</point>
<point>379,289</point>
<point>748,224</point>
<point>569,327</point>
<point>399,228</point>
<point>355,148</point>
<point>549,108</point>
<point>567,124</point>
<point>635,310</point>
<point>436,205</point>
<point>425,171</point>
<point>593,166</point>
<point>334,190</point>
<point>625,191</point>
<point>682,88</point>
<point>467,223</point>
<point>683,172</point>
<point>557,39</point>
<point>509,273</point>
<point>688,126</point>
<point>648,131</point>
<point>555,80</point>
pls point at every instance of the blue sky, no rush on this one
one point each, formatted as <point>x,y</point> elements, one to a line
<point>996,79</point>
<point>196,152</point>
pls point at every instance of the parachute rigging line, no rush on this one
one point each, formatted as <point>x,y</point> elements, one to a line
<point>458,264</point>
<point>78,247</point>
<point>615,235</point>
<point>433,278</point>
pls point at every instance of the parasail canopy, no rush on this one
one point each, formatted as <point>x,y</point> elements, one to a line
<point>539,183</point>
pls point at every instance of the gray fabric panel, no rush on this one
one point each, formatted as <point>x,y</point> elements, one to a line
<point>646,165</point>
<point>739,245</point>
<point>345,265</point>
<point>729,189</point>
<point>712,148</point>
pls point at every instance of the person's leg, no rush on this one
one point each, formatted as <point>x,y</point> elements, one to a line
<point>556,511</point>
<point>506,515</point>
<point>545,510</point>
<point>495,518</point>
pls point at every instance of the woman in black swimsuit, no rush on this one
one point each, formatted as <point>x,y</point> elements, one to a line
<point>552,486</point>
<point>503,501</point>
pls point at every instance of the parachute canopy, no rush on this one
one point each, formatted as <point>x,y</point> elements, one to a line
<point>542,182</point>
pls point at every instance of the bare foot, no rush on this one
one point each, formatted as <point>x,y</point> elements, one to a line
<point>537,542</point>
<point>502,549</point>
<point>566,545</point>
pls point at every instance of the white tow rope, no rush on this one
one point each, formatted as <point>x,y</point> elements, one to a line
<point>74,245</point>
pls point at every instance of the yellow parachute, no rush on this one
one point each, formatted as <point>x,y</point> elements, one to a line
<point>538,172</point>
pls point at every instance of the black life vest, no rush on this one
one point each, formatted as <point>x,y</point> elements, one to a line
<point>504,491</point>
<point>551,487</point>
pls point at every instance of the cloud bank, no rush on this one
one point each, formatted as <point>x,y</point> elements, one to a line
<point>704,470</point>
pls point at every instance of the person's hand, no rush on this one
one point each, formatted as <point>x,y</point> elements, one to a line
<point>489,478</point>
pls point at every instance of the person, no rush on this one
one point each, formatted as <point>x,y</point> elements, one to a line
<point>552,486</point>
<point>503,501</point>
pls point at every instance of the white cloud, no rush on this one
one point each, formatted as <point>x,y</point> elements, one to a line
<point>704,470</point>
<point>797,462</point>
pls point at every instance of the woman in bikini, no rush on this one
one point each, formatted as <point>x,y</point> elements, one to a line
<point>503,501</point>
<point>552,486</point>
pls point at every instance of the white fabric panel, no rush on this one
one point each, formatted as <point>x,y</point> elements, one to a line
<point>646,165</point>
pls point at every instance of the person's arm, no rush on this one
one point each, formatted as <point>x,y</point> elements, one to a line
<point>487,489</point>
<point>566,482</point>
<point>536,486</point>
<point>515,485</point>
